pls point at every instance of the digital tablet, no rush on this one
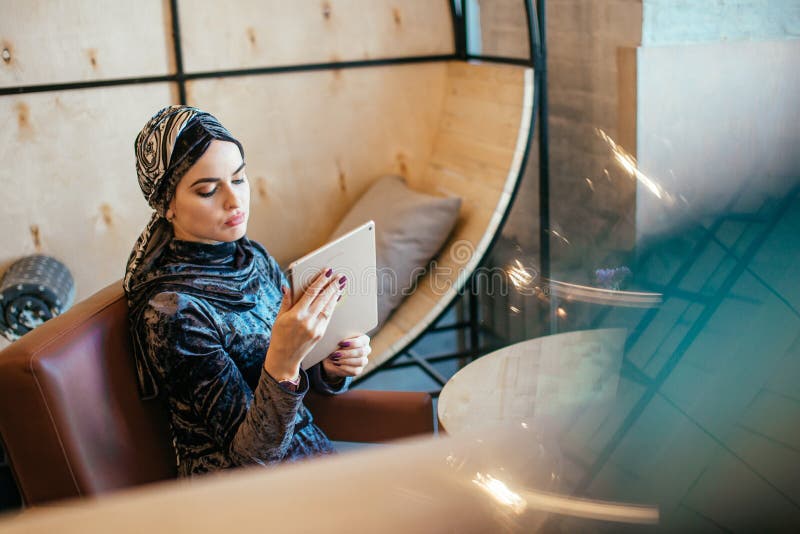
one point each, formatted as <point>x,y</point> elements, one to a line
<point>352,255</point>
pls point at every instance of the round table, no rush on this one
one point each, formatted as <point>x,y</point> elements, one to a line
<point>538,381</point>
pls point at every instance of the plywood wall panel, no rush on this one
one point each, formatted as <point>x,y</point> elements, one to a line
<point>79,40</point>
<point>68,177</point>
<point>314,141</point>
<point>250,33</point>
<point>503,28</point>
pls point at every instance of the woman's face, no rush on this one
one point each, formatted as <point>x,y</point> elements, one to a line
<point>212,200</point>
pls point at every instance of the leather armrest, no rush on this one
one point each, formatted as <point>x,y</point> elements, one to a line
<point>372,416</point>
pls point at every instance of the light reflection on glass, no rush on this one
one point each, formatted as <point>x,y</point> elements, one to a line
<point>611,297</point>
<point>519,275</point>
<point>630,165</point>
<point>560,236</point>
<point>607,511</point>
<point>500,492</point>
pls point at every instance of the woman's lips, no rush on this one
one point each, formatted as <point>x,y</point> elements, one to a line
<point>236,220</point>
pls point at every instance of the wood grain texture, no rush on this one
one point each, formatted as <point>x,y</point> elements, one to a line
<point>626,96</point>
<point>535,382</point>
<point>251,33</point>
<point>503,28</point>
<point>82,40</point>
<point>481,172</point>
<point>68,170</point>
<point>315,141</point>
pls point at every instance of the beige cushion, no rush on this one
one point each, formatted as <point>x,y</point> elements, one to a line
<point>410,228</point>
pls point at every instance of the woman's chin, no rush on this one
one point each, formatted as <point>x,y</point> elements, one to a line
<point>237,232</point>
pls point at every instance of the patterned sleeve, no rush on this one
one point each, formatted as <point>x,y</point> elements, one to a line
<point>325,384</point>
<point>251,426</point>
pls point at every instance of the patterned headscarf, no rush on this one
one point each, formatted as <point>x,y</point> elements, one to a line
<point>171,142</point>
<point>168,145</point>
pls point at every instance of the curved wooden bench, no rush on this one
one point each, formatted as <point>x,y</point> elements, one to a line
<point>451,128</point>
<point>477,155</point>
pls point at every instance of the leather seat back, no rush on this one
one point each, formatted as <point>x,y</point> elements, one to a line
<point>71,419</point>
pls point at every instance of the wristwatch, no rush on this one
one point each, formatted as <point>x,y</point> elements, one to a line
<point>291,385</point>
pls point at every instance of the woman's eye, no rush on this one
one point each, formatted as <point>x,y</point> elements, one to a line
<point>241,180</point>
<point>207,194</point>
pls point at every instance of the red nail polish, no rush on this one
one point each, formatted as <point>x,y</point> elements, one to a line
<point>344,344</point>
<point>328,273</point>
<point>343,280</point>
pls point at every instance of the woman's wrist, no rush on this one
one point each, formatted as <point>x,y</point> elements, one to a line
<point>281,371</point>
<point>333,380</point>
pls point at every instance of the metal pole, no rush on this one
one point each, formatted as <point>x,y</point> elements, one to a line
<point>538,32</point>
<point>176,38</point>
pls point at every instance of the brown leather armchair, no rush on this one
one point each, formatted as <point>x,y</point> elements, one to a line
<point>72,422</point>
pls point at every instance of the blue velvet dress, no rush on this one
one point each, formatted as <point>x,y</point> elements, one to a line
<point>204,345</point>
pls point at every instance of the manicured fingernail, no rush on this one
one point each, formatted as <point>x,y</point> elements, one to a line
<point>336,355</point>
<point>328,273</point>
<point>344,344</point>
<point>337,364</point>
<point>343,281</point>
<point>338,298</point>
<point>283,291</point>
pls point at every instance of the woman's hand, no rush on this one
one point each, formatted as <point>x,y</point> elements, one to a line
<point>299,327</point>
<point>350,358</point>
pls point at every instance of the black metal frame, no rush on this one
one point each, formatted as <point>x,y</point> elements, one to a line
<point>176,41</point>
<point>457,7</point>
<point>180,77</point>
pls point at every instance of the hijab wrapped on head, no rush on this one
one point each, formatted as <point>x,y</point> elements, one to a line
<point>166,148</point>
<point>168,145</point>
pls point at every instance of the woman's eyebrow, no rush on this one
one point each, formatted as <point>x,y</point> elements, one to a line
<point>204,180</point>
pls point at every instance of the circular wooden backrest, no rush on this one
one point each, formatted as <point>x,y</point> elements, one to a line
<point>315,141</point>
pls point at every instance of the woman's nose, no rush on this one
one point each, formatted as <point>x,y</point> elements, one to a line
<point>232,199</point>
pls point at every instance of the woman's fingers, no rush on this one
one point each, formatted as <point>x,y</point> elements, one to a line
<point>355,356</point>
<point>351,357</point>
<point>353,342</point>
<point>319,284</point>
<point>330,306</point>
<point>342,355</point>
<point>326,300</point>
<point>350,366</point>
<point>286,302</point>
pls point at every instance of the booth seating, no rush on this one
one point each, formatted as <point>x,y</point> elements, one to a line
<point>72,422</point>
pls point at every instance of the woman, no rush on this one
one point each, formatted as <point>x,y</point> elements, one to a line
<point>212,334</point>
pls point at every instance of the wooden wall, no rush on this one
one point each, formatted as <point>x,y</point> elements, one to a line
<point>257,33</point>
<point>83,40</point>
<point>317,139</point>
<point>500,28</point>
<point>68,167</point>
